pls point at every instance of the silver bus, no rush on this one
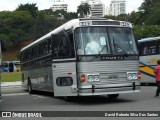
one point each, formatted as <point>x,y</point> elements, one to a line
<point>83,57</point>
<point>149,51</point>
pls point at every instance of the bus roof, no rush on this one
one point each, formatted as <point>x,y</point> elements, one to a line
<point>72,24</point>
<point>148,39</point>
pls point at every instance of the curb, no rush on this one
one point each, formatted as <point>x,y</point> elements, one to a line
<point>7,84</point>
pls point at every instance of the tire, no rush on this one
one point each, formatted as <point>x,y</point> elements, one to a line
<point>113,96</point>
<point>30,87</point>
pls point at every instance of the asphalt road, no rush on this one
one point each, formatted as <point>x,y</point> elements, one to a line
<point>17,99</point>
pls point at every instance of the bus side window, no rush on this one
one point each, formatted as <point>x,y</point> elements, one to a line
<point>21,57</point>
<point>41,49</point>
<point>56,42</point>
<point>64,46</point>
<point>49,45</point>
<point>45,51</point>
<point>152,48</point>
<point>158,47</point>
<point>71,45</point>
<point>30,53</point>
<point>145,50</point>
<point>36,51</point>
<point>60,47</point>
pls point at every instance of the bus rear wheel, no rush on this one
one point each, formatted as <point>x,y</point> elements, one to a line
<point>113,96</point>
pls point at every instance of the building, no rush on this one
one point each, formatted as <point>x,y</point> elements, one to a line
<point>59,7</point>
<point>117,7</point>
<point>107,10</point>
<point>97,8</point>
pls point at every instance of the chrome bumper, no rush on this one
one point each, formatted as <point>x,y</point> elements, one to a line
<point>91,90</point>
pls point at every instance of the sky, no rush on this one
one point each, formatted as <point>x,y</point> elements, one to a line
<point>9,5</point>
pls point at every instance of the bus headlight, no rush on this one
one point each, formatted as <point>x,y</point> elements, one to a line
<point>132,76</point>
<point>90,78</point>
<point>93,77</point>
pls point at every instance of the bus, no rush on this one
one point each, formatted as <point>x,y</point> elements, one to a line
<point>2,48</point>
<point>11,66</point>
<point>59,61</point>
<point>149,51</point>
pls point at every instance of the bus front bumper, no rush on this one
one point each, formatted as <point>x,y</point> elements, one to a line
<point>92,90</point>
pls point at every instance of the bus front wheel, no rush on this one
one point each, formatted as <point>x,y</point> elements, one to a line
<point>113,96</point>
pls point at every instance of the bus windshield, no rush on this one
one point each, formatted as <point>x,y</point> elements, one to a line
<point>105,40</point>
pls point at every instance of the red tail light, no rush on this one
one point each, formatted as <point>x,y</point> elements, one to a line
<point>82,78</point>
<point>139,75</point>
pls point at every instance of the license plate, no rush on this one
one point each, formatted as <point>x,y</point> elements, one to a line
<point>112,77</point>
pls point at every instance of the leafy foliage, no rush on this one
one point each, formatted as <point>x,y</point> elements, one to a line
<point>146,31</point>
<point>146,21</point>
<point>151,12</point>
<point>83,9</point>
<point>28,7</point>
<point>28,23</point>
<point>65,15</point>
<point>15,26</point>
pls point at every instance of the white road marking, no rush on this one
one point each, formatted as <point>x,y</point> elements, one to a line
<point>37,96</point>
<point>14,94</point>
<point>17,94</point>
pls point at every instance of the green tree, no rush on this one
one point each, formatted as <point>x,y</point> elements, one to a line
<point>83,9</point>
<point>60,13</point>
<point>122,17</point>
<point>146,31</point>
<point>150,12</point>
<point>71,15</point>
<point>16,26</point>
<point>28,7</point>
<point>65,15</point>
<point>44,24</point>
<point>134,17</point>
<point>48,12</point>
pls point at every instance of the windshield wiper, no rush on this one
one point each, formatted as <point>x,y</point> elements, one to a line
<point>101,50</point>
<point>118,48</point>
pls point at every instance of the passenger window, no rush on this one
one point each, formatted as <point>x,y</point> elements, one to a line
<point>158,49</point>
<point>35,51</point>
<point>148,48</point>
<point>145,50</point>
<point>152,48</point>
<point>43,48</point>
<point>61,47</point>
<point>49,45</point>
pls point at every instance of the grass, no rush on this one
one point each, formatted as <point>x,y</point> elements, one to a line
<point>11,76</point>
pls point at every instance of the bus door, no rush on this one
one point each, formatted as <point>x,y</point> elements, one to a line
<point>63,66</point>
